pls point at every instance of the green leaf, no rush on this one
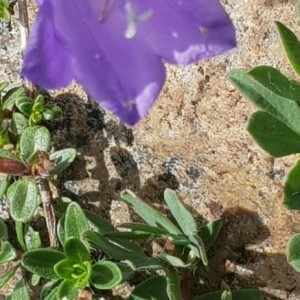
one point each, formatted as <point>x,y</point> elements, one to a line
<point>8,276</point>
<point>42,261</point>
<point>67,290</point>
<point>293,252</point>
<point>292,189</point>
<point>106,275</point>
<point>3,86</point>
<point>272,135</point>
<point>173,260</point>
<point>108,247</point>
<point>49,290</point>
<point>7,252</point>
<point>210,232</point>
<point>62,159</point>
<point>144,228</point>
<point>276,82</point>
<point>173,284</point>
<point>61,230</point>
<point>4,184</point>
<point>198,247</point>
<point>182,216</point>
<point>24,105</point>
<point>11,96</point>
<point>290,44</point>
<point>32,239</point>
<point>75,221</point>
<point>150,215</point>
<point>35,138</point>
<point>19,123</point>
<point>48,114</point>
<point>64,269</point>
<point>35,280</point>
<point>97,223</point>
<point>76,251</point>
<point>129,235</point>
<point>285,110</point>
<point>245,294</point>
<point>23,199</point>
<point>20,292</point>
<point>3,231</point>
<point>139,263</point>
<point>154,288</point>
<point>8,155</point>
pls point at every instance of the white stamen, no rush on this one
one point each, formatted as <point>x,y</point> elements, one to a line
<point>132,20</point>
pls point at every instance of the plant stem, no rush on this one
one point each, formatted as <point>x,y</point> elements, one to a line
<point>46,196</point>
<point>24,22</point>
<point>20,235</point>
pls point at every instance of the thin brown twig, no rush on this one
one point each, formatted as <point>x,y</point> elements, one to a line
<point>46,197</point>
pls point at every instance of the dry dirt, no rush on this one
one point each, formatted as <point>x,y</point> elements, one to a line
<point>194,141</point>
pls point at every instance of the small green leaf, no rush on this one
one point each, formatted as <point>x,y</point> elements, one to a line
<point>144,228</point>
<point>48,114</point>
<point>173,260</point>
<point>64,269</point>
<point>11,96</point>
<point>4,184</point>
<point>8,276</point>
<point>20,292</point>
<point>62,159</point>
<point>293,252</point>
<point>3,86</point>
<point>130,235</point>
<point>7,252</point>
<point>24,104</point>
<point>292,189</point>
<point>245,294</point>
<point>182,216</point>
<point>19,123</point>
<point>198,247</point>
<point>290,44</point>
<point>33,139</point>
<point>49,290</point>
<point>154,288</point>
<point>108,247</point>
<point>35,118</point>
<point>42,261</point>
<point>173,284</point>
<point>75,221</point>
<point>32,239</point>
<point>23,199</point>
<point>282,108</point>
<point>272,135</point>
<point>150,215</point>
<point>210,232</point>
<point>35,280</point>
<point>61,230</point>
<point>67,290</point>
<point>97,223</point>
<point>76,251</point>
<point>3,231</point>
<point>106,275</point>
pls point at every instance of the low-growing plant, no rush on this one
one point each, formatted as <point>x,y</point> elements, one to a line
<point>276,126</point>
<point>4,11</point>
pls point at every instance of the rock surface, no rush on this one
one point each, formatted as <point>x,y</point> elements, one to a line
<point>194,141</point>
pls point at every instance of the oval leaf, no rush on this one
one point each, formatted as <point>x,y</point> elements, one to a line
<point>42,261</point>
<point>290,44</point>
<point>35,138</point>
<point>76,251</point>
<point>293,252</point>
<point>7,253</point>
<point>154,288</point>
<point>76,222</point>
<point>210,232</point>
<point>150,215</point>
<point>62,159</point>
<point>106,275</point>
<point>272,135</point>
<point>292,189</point>
<point>23,200</point>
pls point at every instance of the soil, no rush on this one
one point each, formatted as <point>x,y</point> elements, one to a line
<point>194,141</point>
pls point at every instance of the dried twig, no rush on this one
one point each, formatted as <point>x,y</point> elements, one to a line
<point>24,23</point>
<point>46,196</point>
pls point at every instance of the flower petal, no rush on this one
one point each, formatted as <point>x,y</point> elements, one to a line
<point>122,74</point>
<point>184,31</point>
<point>46,62</point>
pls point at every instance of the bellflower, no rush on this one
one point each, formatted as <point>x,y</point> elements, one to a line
<point>115,49</point>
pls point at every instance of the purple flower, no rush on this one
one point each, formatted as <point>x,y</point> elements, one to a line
<point>115,48</point>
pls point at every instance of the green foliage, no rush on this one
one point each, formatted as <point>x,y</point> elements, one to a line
<point>276,126</point>
<point>4,13</point>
